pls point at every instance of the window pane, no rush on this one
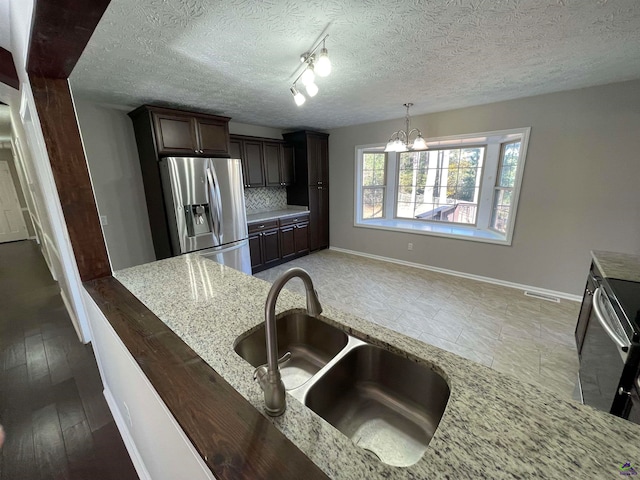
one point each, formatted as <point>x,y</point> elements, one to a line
<point>508,176</point>
<point>501,209</point>
<point>373,202</point>
<point>440,185</point>
<point>404,210</point>
<point>373,169</point>
<point>367,178</point>
<point>511,154</point>
<point>378,177</point>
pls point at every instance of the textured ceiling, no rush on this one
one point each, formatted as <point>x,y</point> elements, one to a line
<point>238,57</point>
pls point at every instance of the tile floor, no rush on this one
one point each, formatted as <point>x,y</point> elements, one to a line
<point>497,326</point>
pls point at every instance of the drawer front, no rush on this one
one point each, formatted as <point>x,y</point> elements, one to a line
<point>262,226</point>
<point>303,217</point>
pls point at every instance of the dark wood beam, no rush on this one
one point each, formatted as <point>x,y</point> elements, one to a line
<point>8,73</point>
<point>71,174</point>
<point>61,30</point>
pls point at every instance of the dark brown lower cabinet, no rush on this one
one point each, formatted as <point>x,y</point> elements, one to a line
<point>255,250</point>
<point>271,246</point>
<point>294,239</point>
<point>264,244</point>
<point>301,238</point>
<point>287,241</point>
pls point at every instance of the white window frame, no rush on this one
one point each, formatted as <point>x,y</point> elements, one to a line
<point>482,231</point>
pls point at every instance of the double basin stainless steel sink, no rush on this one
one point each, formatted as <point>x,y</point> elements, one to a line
<point>385,403</point>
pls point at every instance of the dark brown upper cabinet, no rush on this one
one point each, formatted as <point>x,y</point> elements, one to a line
<point>213,136</point>
<point>177,132</point>
<point>265,162</point>
<point>272,160</point>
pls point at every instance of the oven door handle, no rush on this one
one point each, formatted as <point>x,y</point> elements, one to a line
<point>603,321</point>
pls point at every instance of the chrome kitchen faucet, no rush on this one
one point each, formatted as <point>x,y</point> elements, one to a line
<point>268,376</point>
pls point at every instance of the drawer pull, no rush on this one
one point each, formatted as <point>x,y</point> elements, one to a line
<point>261,226</point>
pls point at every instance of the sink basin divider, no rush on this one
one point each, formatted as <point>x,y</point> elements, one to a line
<point>300,392</point>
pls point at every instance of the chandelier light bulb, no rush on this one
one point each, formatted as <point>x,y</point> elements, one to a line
<point>400,146</point>
<point>297,96</point>
<point>312,89</point>
<point>323,65</point>
<point>419,143</point>
<point>308,76</point>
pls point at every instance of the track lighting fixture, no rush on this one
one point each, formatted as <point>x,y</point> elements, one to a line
<point>320,66</point>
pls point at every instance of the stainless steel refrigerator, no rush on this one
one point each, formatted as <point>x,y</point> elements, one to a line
<point>204,202</point>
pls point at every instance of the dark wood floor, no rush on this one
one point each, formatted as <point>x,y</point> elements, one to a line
<point>57,422</point>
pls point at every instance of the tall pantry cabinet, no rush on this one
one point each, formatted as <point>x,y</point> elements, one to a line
<point>311,188</point>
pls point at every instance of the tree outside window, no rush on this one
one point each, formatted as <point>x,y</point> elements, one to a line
<point>374,166</point>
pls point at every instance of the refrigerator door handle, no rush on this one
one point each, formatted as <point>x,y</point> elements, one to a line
<point>214,201</point>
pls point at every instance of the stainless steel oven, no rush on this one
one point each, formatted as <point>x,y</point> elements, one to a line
<point>610,353</point>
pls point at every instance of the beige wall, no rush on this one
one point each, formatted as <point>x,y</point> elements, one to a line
<point>580,191</point>
<point>110,146</point>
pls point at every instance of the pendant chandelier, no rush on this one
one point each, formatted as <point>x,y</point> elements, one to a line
<point>400,141</point>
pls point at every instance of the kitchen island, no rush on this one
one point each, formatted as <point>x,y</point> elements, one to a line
<point>494,426</point>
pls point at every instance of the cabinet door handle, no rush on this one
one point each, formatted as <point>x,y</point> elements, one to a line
<point>319,183</point>
<point>319,188</point>
<point>261,226</point>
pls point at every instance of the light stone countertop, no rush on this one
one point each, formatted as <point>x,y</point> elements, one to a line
<point>624,266</point>
<point>494,426</point>
<point>291,210</point>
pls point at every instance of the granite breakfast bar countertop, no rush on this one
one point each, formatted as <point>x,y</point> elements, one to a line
<point>494,426</point>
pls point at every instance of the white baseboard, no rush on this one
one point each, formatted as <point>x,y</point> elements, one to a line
<point>130,445</point>
<point>495,281</point>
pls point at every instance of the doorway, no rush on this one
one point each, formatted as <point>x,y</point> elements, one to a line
<point>12,224</point>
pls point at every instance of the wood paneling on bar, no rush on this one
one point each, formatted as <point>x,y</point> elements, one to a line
<point>70,172</point>
<point>8,73</point>
<point>61,30</point>
<point>236,441</point>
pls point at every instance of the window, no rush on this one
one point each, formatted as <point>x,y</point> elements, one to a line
<point>374,166</point>
<point>440,185</point>
<point>463,186</point>
<point>505,182</point>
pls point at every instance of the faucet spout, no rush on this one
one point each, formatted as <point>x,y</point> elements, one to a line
<point>269,376</point>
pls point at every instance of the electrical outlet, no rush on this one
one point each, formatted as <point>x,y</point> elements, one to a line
<point>127,414</point>
<point>103,220</point>
<point>410,246</point>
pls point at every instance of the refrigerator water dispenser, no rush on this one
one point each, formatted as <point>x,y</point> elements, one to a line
<point>197,219</point>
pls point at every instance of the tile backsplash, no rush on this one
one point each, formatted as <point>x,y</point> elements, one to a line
<point>263,199</point>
